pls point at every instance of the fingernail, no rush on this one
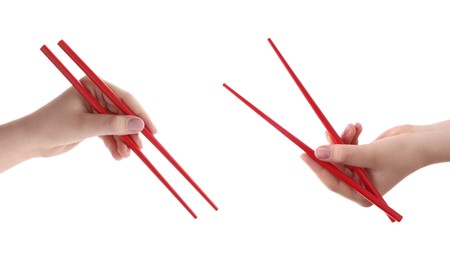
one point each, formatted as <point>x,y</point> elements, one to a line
<point>135,125</point>
<point>323,152</point>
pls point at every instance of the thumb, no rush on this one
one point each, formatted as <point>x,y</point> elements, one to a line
<point>101,124</point>
<point>354,155</point>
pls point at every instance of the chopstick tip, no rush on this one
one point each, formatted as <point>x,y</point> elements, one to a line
<point>62,44</point>
<point>43,47</point>
<point>226,86</point>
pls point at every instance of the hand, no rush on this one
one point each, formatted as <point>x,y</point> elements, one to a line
<point>393,156</point>
<point>66,121</point>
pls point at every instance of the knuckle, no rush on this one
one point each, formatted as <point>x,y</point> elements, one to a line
<point>341,155</point>
<point>401,129</point>
<point>116,124</point>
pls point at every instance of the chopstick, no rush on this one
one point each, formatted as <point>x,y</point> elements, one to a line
<point>126,110</point>
<point>334,135</point>
<point>330,167</point>
<point>367,190</point>
<point>99,109</point>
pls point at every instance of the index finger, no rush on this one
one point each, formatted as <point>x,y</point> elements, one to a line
<point>134,105</point>
<point>130,101</point>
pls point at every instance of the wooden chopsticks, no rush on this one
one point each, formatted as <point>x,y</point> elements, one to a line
<point>368,191</point>
<point>126,110</point>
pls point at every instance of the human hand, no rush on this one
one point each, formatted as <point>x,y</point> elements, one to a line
<point>67,120</point>
<point>389,159</point>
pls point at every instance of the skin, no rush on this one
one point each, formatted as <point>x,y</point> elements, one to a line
<point>66,121</point>
<point>393,156</point>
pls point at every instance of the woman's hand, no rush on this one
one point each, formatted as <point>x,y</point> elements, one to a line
<point>66,121</point>
<point>389,159</point>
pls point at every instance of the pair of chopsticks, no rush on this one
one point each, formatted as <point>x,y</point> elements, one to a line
<point>125,110</point>
<point>367,190</point>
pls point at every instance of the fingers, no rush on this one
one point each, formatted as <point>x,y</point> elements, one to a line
<point>358,129</point>
<point>111,144</point>
<point>333,183</point>
<point>111,127</point>
<point>126,97</point>
<point>351,133</point>
<point>354,155</point>
<point>134,105</point>
<point>137,140</point>
<point>100,124</point>
<point>348,134</point>
<point>123,150</point>
<point>325,177</point>
<point>117,147</point>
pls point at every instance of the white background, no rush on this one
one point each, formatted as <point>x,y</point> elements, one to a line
<point>381,63</point>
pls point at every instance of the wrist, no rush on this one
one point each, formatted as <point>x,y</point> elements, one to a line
<point>17,143</point>
<point>436,143</point>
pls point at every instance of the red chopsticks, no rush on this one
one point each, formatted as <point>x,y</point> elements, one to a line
<point>334,135</point>
<point>368,191</point>
<point>126,110</point>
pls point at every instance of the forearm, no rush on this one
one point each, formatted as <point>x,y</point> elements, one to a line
<point>16,144</point>
<point>435,141</point>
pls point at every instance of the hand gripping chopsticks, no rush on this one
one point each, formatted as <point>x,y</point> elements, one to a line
<point>334,135</point>
<point>368,191</point>
<point>126,110</point>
